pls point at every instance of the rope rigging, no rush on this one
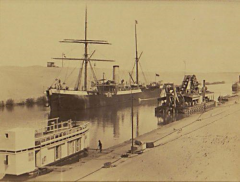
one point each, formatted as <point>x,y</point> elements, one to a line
<point>140,67</point>
<point>56,78</point>
<point>143,73</point>
<point>70,74</point>
<point>80,72</point>
<point>66,75</point>
<point>94,75</point>
<point>79,77</point>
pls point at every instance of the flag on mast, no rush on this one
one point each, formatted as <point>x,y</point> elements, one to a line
<point>136,21</point>
<point>157,74</point>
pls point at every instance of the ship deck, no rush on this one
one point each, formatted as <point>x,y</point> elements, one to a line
<point>59,132</point>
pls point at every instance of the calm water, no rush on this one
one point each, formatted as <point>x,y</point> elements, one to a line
<point>111,125</point>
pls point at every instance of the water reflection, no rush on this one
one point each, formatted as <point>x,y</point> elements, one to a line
<point>102,113</point>
<point>167,118</point>
<point>10,108</point>
<point>137,121</point>
<point>113,124</point>
<point>21,116</point>
<point>2,109</point>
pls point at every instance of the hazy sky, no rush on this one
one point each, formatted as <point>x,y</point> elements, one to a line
<point>204,34</point>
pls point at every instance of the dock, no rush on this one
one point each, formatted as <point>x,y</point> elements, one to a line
<point>202,147</point>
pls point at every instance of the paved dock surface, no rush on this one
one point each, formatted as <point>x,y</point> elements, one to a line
<point>203,147</point>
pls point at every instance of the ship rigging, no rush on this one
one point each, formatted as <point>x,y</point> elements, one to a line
<point>87,59</point>
<point>103,92</point>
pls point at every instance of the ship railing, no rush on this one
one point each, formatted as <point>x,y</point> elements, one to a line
<point>50,137</point>
<point>54,127</point>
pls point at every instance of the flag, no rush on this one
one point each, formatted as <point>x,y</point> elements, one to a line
<point>63,55</point>
<point>136,22</point>
<point>157,74</point>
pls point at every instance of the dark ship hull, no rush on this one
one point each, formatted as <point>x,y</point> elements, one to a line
<point>74,101</point>
<point>236,87</point>
<point>150,93</point>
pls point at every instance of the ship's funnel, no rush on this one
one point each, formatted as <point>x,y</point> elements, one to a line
<point>116,73</point>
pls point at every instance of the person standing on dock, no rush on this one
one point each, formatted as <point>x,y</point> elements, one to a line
<point>100,145</point>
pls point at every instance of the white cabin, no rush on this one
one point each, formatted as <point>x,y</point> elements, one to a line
<point>24,150</point>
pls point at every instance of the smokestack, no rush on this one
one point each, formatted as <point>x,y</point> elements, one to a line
<point>203,91</point>
<point>116,73</point>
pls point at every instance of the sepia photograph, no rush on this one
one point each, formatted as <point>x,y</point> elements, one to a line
<point>119,90</point>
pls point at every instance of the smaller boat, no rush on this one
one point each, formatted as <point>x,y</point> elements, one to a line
<point>26,150</point>
<point>226,98</point>
<point>236,86</point>
<point>185,99</point>
<point>215,83</point>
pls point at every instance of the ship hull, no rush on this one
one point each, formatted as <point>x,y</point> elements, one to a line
<point>59,101</point>
<point>186,110</point>
<point>236,87</point>
<point>150,93</point>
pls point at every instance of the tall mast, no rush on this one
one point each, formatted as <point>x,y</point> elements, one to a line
<point>132,121</point>
<point>86,58</point>
<point>86,52</point>
<point>136,52</point>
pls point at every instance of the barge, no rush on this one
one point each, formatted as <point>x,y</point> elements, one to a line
<point>26,150</point>
<point>185,99</point>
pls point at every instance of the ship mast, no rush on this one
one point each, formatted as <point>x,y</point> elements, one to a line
<point>136,52</point>
<point>86,53</point>
<point>137,59</point>
<point>86,59</point>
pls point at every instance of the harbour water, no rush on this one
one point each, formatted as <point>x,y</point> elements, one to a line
<point>111,125</point>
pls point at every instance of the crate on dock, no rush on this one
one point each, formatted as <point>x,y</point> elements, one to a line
<point>107,165</point>
<point>149,145</point>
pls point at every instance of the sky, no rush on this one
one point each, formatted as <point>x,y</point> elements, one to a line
<point>195,36</point>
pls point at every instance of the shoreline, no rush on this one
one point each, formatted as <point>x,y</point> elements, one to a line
<point>41,100</point>
<point>20,83</point>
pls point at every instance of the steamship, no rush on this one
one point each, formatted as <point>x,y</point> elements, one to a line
<point>102,92</point>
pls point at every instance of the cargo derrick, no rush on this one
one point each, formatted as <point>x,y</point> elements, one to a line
<point>185,99</point>
<point>178,97</point>
<point>189,85</point>
<point>167,103</point>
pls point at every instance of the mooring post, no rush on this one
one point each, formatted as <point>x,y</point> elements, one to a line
<point>203,94</point>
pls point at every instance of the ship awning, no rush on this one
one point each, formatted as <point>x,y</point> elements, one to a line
<point>191,97</point>
<point>74,138</point>
<point>56,144</point>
